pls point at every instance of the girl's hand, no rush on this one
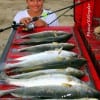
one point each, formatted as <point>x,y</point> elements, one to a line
<point>40,23</point>
<point>25,20</point>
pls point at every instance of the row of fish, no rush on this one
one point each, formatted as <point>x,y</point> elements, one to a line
<point>45,72</point>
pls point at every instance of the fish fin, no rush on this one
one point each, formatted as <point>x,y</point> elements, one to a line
<point>3,75</point>
<point>2,67</point>
<point>8,91</point>
<point>59,51</point>
<point>3,92</point>
<point>55,34</point>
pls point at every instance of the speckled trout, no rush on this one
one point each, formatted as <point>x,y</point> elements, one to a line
<point>41,80</point>
<point>41,40</point>
<point>45,34</point>
<point>67,71</point>
<point>45,47</point>
<point>43,58</point>
<point>51,86</point>
<point>73,62</point>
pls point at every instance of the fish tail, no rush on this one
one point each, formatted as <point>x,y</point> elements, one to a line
<point>4,92</point>
<point>2,67</point>
<point>60,50</point>
<point>8,91</point>
<point>3,76</point>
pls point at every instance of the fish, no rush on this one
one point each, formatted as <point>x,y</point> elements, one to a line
<point>69,91</point>
<point>40,80</point>
<point>46,47</point>
<point>46,57</point>
<point>36,41</point>
<point>49,54</point>
<point>73,62</point>
<point>54,86</point>
<point>67,71</point>
<point>42,34</point>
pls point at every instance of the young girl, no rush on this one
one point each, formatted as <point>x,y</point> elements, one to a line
<point>35,9</point>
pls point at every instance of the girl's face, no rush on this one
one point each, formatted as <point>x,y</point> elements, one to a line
<point>35,5</point>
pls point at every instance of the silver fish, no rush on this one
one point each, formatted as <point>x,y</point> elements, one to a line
<point>47,57</point>
<point>53,86</point>
<point>43,34</point>
<point>64,63</point>
<point>35,41</point>
<point>63,91</point>
<point>48,46</point>
<point>42,80</point>
<point>68,71</point>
